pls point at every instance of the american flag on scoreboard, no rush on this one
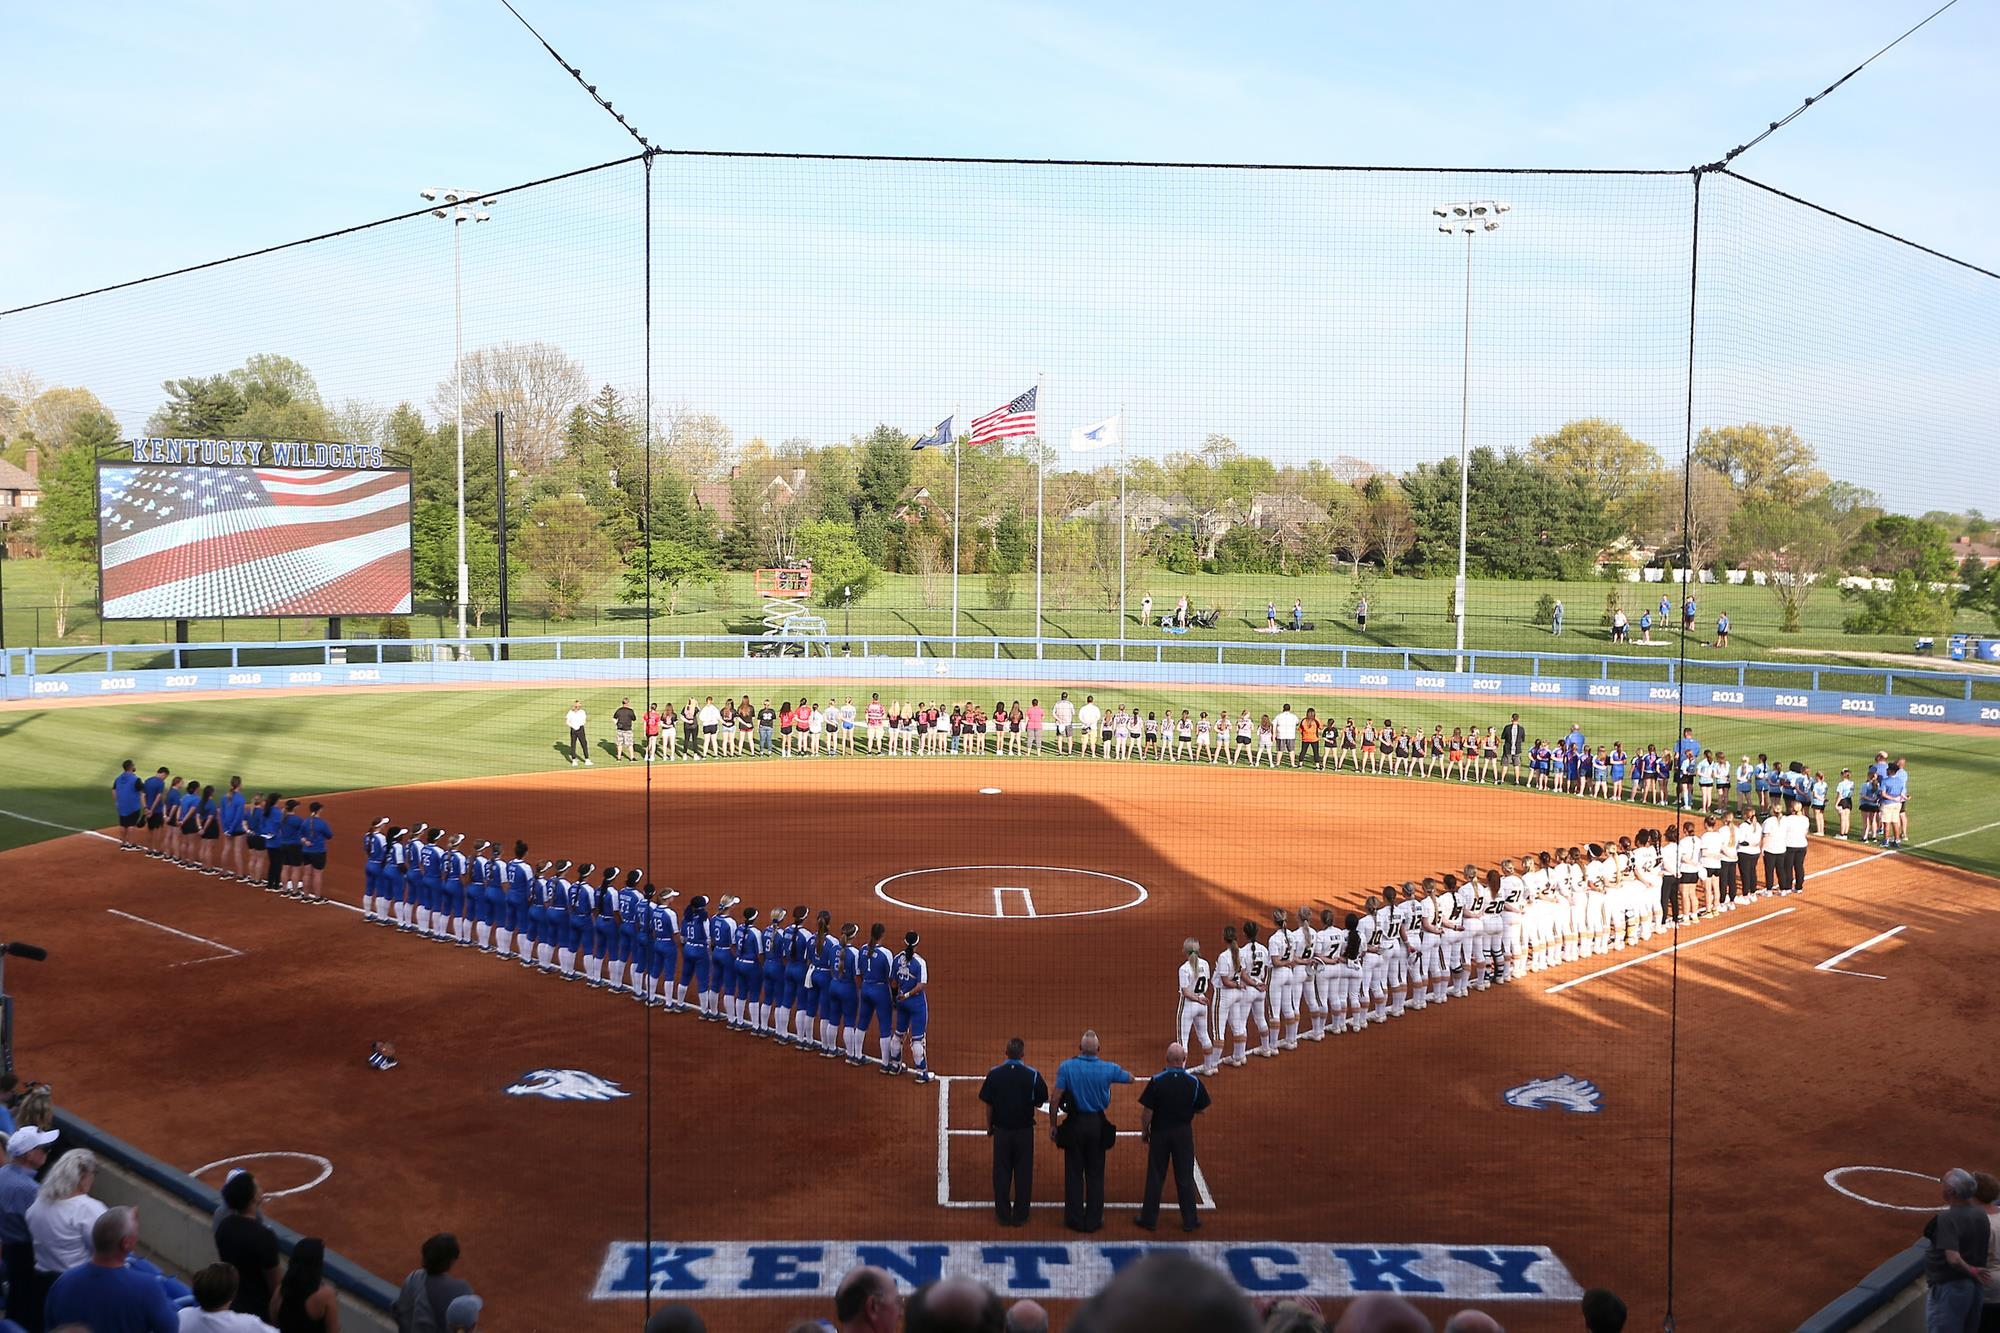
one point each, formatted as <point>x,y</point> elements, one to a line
<point>1002,423</point>
<point>200,542</point>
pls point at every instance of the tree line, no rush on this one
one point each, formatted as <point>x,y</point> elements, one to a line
<point>658,509</point>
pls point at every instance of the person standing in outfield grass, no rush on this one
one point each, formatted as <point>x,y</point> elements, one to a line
<point>875,718</point>
<point>1816,802</point>
<point>129,801</point>
<point>1031,723</point>
<point>1309,740</point>
<point>1895,794</point>
<point>1063,715</point>
<point>1285,726</point>
<point>1556,619</point>
<point>579,746</point>
<point>1843,800</point>
<point>1721,631</point>
<point>621,728</point>
<point>1087,718</point>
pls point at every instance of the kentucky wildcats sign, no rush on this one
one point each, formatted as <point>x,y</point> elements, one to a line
<point>723,1270</point>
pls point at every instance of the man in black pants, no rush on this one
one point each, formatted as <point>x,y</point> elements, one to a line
<point>1511,738</point>
<point>1012,1091</point>
<point>1168,1107</point>
<point>1083,1095</point>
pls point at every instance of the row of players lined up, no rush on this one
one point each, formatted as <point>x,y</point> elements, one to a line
<point>1684,774</point>
<point>266,840</point>
<point>785,975</point>
<point>1447,935</point>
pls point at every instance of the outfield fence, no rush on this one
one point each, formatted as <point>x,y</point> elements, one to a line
<point>1805,689</point>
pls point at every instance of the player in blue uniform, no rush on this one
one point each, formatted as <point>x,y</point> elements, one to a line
<point>603,927</point>
<point>510,932</point>
<point>564,918</point>
<point>748,965</point>
<point>663,928</point>
<point>206,823</point>
<point>230,807</point>
<point>771,985</point>
<point>534,947</point>
<point>911,978</point>
<point>389,885</point>
<point>374,854</point>
<point>721,971</point>
<point>794,1024</point>
<point>478,883</point>
<point>151,793</point>
<point>456,901</point>
<point>629,950</point>
<point>841,995</point>
<point>694,953</point>
<point>875,1005</point>
<point>819,983</point>
<point>167,808</point>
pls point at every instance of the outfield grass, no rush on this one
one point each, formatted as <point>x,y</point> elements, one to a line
<point>1404,613</point>
<point>57,764</point>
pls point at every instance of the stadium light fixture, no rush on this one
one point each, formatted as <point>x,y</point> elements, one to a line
<point>1467,218</point>
<point>460,210</point>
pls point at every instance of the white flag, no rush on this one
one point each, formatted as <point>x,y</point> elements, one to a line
<point>1101,436</point>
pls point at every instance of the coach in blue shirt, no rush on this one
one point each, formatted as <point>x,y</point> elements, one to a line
<point>1083,1093</point>
<point>104,1295</point>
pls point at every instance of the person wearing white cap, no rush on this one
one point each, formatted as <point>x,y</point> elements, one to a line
<point>27,1152</point>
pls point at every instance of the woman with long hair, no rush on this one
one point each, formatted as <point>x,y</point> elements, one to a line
<point>60,1218</point>
<point>911,978</point>
<point>1231,975</point>
<point>304,1301</point>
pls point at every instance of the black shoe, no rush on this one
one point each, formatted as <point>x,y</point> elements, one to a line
<point>1144,1225</point>
<point>1191,1226</point>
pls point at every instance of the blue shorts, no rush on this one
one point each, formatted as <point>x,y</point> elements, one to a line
<point>811,998</point>
<point>749,973</point>
<point>875,1006</point>
<point>839,1003</point>
<point>694,968</point>
<point>913,1017</point>
<point>774,985</point>
<point>795,984</point>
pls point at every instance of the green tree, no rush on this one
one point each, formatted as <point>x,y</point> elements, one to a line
<point>66,517</point>
<point>1982,588</point>
<point>1906,606</point>
<point>1893,544</point>
<point>666,569</point>
<point>1764,462</point>
<point>565,543</point>
<point>267,397</point>
<point>883,472</point>
<point>1611,467</point>
<point>1013,544</point>
<point>837,560</point>
<point>1795,546</point>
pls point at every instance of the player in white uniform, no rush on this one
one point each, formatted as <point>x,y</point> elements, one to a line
<point>1290,958</point>
<point>1191,1013</point>
<point>1434,918</point>
<point>1390,919</point>
<point>1231,972</point>
<point>1344,996</point>
<point>1374,997</point>
<point>1257,989</point>
<point>1319,974</point>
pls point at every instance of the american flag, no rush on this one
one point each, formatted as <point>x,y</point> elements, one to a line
<point>1003,423</point>
<point>200,542</point>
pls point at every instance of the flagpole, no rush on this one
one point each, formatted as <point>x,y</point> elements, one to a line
<point>957,448</point>
<point>1041,466</point>
<point>1121,532</point>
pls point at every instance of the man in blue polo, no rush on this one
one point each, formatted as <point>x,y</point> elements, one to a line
<point>127,800</point>
<point>1083,1094</point>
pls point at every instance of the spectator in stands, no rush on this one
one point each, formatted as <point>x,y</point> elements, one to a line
<point>305,1302</point>
<point>248,1245</point>
<point>461,1316</point>
<point>9,1093</point>
<point>1027,1317</point>
<point>1166,1292</point>
<point>36,1109</point>
<point>1473,1321</point>
<point>27,1151</point>
<point>675,1319</point>
<point>867,1301</point>
<point>1960,1238</point>
<point>954,1305</point>
<point>1291,1314</point>
<point>1986,1189</point>
<point>428,1292</point>
<point>214,1289</point>
<point>60,1219</point>
<point>104,1295</point>
<point>1380,1313</point>
<point>1603,1312</point>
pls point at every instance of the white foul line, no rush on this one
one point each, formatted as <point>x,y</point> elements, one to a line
<point>1662,953</point>
<point>50,823</point>
<point>1000,904</point>
<point>1831,964</point>
<point>227,952</point>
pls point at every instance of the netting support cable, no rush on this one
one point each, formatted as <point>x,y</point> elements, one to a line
<point>646,802</point>
<point>1820,96</point>
<point>1680,714</point>
<point>577,74</point>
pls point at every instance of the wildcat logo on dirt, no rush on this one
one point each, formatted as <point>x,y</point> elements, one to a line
<point>1565,1091</point>
<point>566,1085</point>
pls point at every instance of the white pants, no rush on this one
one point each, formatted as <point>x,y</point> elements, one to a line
<point>1193,1019</point>
<point>1396,964</point>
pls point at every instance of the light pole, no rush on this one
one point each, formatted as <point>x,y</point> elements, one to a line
<point>1467,218</point>
<point>458,206</point>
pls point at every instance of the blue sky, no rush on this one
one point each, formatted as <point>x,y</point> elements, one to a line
<point>147,137</point>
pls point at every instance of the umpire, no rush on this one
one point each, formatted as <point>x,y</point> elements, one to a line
<point>1011,1092</point>
<point>1083,1094</point>
<point>1167,1109</point>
